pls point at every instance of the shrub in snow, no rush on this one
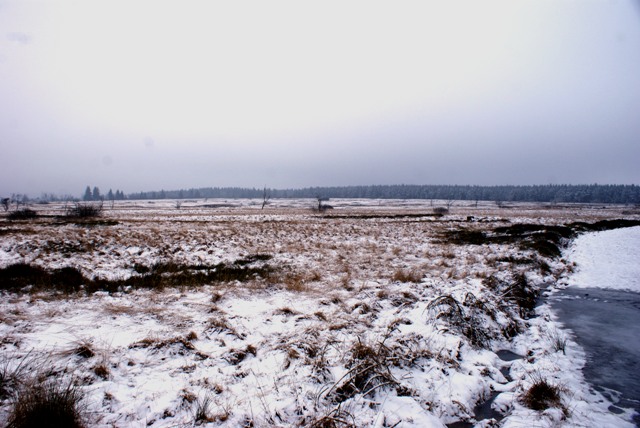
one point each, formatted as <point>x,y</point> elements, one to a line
<point>84,210</point>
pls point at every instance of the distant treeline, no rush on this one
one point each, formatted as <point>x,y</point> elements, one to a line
<point>593,193</point>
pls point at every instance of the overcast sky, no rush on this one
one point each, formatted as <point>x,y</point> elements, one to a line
<point>144,95</point>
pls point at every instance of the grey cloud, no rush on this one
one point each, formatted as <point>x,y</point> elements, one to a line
<point>17,37</point>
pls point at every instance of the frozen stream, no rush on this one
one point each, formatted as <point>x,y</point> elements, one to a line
<point>601,307</point>
<point>605,323</point>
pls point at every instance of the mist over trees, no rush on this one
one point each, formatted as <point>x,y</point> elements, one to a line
<point>551,193</point>
<point>593,193</point>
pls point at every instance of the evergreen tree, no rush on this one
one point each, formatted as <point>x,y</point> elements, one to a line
<point>96,194</point>
<point>87,194</point>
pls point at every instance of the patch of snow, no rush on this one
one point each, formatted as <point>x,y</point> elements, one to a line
<point>609,259</point>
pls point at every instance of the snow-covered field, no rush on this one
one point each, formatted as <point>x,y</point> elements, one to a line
<point>609,259</point>
<point>375,313</point>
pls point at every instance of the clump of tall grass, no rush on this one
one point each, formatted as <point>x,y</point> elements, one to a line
<point>407,275</point>
<point>369,369</point>
<point>51,403</point>
<point>542,395</point>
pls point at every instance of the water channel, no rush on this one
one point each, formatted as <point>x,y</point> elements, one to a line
<point>606,323</point>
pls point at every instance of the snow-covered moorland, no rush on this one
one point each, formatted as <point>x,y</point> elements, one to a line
<point>375,313</point>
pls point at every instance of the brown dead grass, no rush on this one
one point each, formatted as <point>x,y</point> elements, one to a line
<point>407,275</point>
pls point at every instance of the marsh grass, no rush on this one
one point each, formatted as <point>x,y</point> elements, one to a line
<point>542,395</point>
<point>176,345</point>
<point>25,277</point>
<point>82,348</point>
<point>202,410</point>
<point>546,240</point>
<point>407,275</point>
<point>337,417</point>
<point>13,374</point>
<point>51,403</point>
<point>558,340</point>
<point>369,369</point>
<point>517,290</point>
<point>23,214</point>
<point>467,318</point>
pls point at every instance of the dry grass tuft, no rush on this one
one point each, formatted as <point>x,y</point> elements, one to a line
<point>369,370</point>
<point>285,311</point>
<point>52,403</point>
<point>407,275</point>
<point>102,371</point>
<point>11,375</point>
<point>542,395</point>
<point>202,410</point>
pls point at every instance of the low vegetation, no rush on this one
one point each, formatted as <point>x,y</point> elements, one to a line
<point>22,214</point>
<point>26,277</point>
<point>542,395</point>
<point>48,403</point>
<point>265,317</point>
<point>84,210</point>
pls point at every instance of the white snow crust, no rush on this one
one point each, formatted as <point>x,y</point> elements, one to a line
<point>608,259</point>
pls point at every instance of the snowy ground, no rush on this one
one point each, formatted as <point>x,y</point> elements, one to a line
<point>370,316</point>
<point>607,259</point>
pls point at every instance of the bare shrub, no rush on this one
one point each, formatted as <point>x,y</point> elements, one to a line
<point>519,291</point>
<point>86,210</point>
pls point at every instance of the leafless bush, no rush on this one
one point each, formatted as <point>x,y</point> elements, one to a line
<point>86,210</point>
